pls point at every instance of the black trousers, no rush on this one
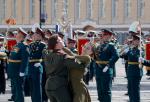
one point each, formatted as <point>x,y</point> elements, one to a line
<point>2,77</point>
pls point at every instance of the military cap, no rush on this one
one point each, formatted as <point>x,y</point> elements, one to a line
<point>22,31</point>
<point>91,33</point>
<point>106,32</point>
<point>40,31</point>
<point>50,31</point>
<point>61,34</point>
<point>71,40</point>
<point>15,32</point>
<point>80,32</point>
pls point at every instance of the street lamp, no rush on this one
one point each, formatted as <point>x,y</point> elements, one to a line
<point>43,15</point>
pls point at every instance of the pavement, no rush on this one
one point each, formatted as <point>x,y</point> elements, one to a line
<point>118,90</point>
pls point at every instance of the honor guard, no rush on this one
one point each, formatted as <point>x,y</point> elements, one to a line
<point>17,65</point>
<point>134,72</point>
<point>106,56</point>
<point>35,65</point>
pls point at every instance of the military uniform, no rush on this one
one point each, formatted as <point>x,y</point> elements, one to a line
<point>80,91</point>
<point>35,72</point>
<point>3,58</point>
<point>134,75</point>
<point>107,56</point>
<point>18,63</point>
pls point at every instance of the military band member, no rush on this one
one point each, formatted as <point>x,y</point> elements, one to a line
<point>35,65</point>
<point>134,72</point>
<point>18,63</point>
<point>106,57</point>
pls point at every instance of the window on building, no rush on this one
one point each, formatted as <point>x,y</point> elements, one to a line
<point>32,8</point>
<point>54,10</point>
<point>14,8</point>
<point>140,8</point>
<point>102,8</point>
<point>23,9</point>
<point>89,8</point>
<point>66,6</point>
<point>127,7</point>
<point>77,9</point>
<point>114,8</point>
<point>43,7</point>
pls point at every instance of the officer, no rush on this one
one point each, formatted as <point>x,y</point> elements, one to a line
<point>35,65</point>
<point>134,72</point>
<point>71,44</point>
<point>18,63</point>
<point>106,56</point>
<point>3,58</point>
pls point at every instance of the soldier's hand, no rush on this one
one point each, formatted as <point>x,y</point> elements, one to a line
<point>105,69</point>
<point>37,64</point>
<point>21,74</point>
<point>141,59</point>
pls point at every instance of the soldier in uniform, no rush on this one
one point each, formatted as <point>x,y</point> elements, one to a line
<point>106,56</point>
<point>80,91</point>
<point>57,83</point>
<point>3,58</point>
<point>18,63</point>
<point>134,72</point>
<point>35,65</point>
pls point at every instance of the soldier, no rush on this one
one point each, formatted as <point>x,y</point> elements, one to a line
<point>3,58</point>
<point>18,63</point>
<point>80,91</point>
<point>134,72</point>
<point>35,66</point>
<point>57,82</point>
<point>147,47</point>
<point>106,56</point>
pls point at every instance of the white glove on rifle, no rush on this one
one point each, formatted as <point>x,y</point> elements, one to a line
<point>21,74</point>
<point>141,59</point>
<point>105,69</point>
<point>37,64</point>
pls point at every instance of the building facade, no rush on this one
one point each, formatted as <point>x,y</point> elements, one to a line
<point>115,14</point>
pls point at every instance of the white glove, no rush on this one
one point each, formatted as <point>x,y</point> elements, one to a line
<point>141,59</point>
<point>105,69</point>
<point>126,50</point>
<point>21,74</point>
<point>37,64</point>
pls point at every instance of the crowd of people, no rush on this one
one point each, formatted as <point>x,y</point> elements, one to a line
<point>45,66</point>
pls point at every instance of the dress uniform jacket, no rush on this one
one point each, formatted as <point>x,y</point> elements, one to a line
<point>35,72</point>
<point>106,55</point>
<point>80,91</point>
<point>18,63</point>
<point>57,71</point>
<point>134,74</point>
<point>3,58</point>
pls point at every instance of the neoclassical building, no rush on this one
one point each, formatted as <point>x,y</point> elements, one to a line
<point>115,14</point>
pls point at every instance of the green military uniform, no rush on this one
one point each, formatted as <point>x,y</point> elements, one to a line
<point>134,74</point>
<point>106,55</point>
<point>18,62</point>
<point>80,91</point>
<point>57,82</point>
<point>3,58</point>
<point>35,72</point>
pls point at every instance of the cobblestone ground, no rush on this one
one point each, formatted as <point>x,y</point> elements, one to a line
<point>118,91</point>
